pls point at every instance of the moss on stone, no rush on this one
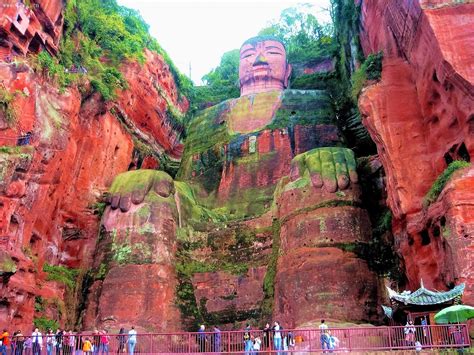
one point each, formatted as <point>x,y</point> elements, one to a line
<point>61,274</point>
<point>442,180</point>
<point>137,180</point>
<point>270,276</point>
<point>144,211</point>
<point>7,264</point>
<point>303,107</point>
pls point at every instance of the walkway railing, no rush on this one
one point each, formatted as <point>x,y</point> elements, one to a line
<point>296,341</point>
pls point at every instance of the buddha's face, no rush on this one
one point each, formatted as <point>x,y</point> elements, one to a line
<point>263,67</point>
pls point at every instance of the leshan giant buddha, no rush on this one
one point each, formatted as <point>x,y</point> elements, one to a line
<point>267,167</point>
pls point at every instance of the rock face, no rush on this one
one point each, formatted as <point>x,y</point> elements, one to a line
<point>321,229</point>
<point>28,28</point>
<point>134,262</point>
<point>429,69</point>
<point>51,186</point>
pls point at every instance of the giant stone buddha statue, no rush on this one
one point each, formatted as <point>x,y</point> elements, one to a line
<point>265,170</point>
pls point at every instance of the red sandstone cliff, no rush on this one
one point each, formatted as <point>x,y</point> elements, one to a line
<point>421,116</point>
<point>78,145</point>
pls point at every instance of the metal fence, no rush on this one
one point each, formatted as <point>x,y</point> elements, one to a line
<point>295,341</point>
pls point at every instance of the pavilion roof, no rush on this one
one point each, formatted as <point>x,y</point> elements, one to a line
<point>423,296</point>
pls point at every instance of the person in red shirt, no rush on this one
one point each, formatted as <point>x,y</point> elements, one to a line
<point>5,342</point>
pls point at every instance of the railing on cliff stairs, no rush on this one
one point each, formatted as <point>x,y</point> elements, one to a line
<point>297,341</point>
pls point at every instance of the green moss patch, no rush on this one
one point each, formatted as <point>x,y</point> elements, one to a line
<point>442,180</point>
<point>137,180</point>
<point>371,69</point>
<point>61,274</point>
<point>303,107</point>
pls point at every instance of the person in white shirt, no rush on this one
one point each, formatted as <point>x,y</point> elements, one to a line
<point>37,341</point>
<point>323,328</point>
<point>132,340</point>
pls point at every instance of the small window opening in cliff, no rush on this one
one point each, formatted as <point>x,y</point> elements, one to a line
<point>435,98</point>
<point>425,237</point>
<point>442,221</point>
<point>436,231</point>
<point>457,152</point>
<point>411,241</point>
<point>19,19</point>
<point>59,20</point>
<point>21,38</point>
<point>36,44</point>
<point>35,243</point>
<point>435,77</point>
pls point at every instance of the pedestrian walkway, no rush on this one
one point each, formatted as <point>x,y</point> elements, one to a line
<point>356,340</point>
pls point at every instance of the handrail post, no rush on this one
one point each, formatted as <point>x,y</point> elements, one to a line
<point>390,345</point>
<point>310,341</point>
<point>349,341</point>
<point>189,343</point>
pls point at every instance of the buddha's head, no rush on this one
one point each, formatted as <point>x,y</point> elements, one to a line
<point>263,66</point>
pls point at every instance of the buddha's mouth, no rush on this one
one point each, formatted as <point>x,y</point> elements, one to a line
<point>260,69</point>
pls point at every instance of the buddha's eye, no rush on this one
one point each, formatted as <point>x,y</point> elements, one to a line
<point>247,55</point>
<point>277,53</point>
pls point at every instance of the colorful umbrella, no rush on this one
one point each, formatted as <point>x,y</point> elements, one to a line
<point>454,314</point>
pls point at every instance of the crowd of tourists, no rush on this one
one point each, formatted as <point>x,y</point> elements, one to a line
<point>273,338</point>
<point>66,342</point>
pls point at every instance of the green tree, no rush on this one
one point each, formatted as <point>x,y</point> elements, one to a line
<point>304,37</point>
<point>222,82</point>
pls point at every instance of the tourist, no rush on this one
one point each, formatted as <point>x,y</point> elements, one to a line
<point>216,339</point>
<point>132,340</point>
<point>4,342</point>
<point>19,342</point>
<point>59,340</point>
<point>333,342</point>
<point>104,343</point>
<point>37,340</point>
<point>28,345</point>
<point>122,340</point>
<point>202,338</point>
<point>49,342</point>
<point>409,331</point>
<point>277,336</point>
<point>324,337</point>
<point>418,346</point>
<point>248,343</point>
<point>87,346</point>
<point>267,330</point>
<point>257,344</point>
<point>72,342</point>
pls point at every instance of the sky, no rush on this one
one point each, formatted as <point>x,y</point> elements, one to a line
<point>197,33</point>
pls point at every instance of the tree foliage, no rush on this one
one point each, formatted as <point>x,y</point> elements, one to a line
<point>98,36</point>
<point>304,37</point>
<point>222,82</point>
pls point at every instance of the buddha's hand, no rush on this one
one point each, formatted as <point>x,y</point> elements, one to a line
<point>330,168</point>
<point>134,186</point>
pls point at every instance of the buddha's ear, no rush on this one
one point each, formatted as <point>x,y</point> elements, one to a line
<point>287,75</point>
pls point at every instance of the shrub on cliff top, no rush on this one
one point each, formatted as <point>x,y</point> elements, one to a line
<point>442,180</point>
<point>371,69</point>
<point>98,36</point>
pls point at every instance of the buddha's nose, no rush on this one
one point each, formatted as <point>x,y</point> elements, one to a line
<point>260,60</point>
